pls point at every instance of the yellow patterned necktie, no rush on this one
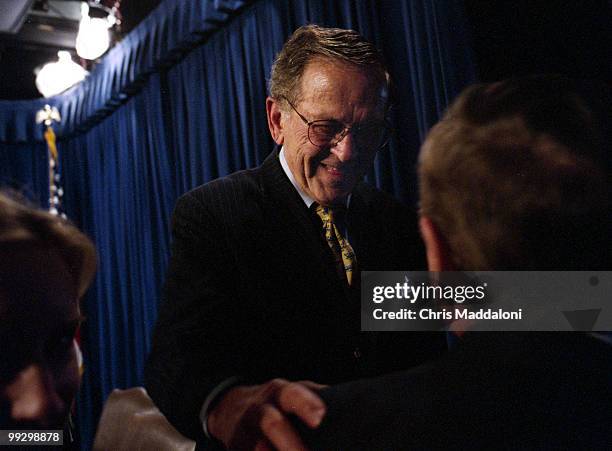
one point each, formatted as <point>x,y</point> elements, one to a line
<point>342,250</point>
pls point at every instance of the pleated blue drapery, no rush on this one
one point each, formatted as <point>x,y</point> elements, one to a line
<point>180,101</point>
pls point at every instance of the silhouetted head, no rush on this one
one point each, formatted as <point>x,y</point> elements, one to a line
<point>516,176</point>
<point>46,265</point>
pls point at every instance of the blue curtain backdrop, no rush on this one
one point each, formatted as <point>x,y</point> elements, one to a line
<point>180,101</point>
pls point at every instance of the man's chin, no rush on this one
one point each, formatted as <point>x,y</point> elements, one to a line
<point>332,192</point>
<point>331,199</point>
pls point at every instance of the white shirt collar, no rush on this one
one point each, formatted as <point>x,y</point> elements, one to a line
<point>283,161</point>
<point>305,197</point>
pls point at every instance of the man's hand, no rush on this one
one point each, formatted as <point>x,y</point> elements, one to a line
<point>255,417</point>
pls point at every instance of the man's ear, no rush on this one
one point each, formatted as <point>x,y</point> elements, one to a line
<point>274,120</point>
<point>438,253</point>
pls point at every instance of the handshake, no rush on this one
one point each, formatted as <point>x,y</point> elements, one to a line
<point>259,417</point>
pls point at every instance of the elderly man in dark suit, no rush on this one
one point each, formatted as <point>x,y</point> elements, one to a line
<point>515,177</point>
<point>264,277</point>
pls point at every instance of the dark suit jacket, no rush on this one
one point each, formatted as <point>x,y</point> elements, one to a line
<point>252,291</point>
<point>493,391</point>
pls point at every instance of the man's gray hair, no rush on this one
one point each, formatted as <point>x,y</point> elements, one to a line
<point>310,42</point>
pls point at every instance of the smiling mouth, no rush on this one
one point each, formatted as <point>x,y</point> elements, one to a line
<point>335,170</point>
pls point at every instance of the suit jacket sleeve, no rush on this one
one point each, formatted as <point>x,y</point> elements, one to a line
<point>363,415</point>
<point>530,390</point>
<point>188,358</point>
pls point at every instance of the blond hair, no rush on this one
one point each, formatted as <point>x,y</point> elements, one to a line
<point>20,224</point>
<point>514,177</point>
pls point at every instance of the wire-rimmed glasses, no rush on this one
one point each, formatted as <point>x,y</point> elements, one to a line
<point>329,132</point>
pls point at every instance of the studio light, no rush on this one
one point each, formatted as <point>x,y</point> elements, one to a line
<point>60,75</point>
<point>93,37</point>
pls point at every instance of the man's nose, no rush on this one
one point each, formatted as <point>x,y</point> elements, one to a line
<point>33,397</point>
<point>345,150</point>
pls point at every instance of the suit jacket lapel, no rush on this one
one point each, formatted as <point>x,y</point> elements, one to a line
<point>295,228</point>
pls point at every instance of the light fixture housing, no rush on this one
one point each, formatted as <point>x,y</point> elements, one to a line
<point>93,37</point>
<point>57,76</point>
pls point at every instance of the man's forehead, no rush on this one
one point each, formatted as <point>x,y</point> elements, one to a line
<point>324,77</point>
<point>342,97</point>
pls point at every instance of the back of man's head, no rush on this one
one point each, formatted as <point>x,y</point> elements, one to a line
<point>515,176</point>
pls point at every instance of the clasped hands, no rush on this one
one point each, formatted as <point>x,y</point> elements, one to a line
<point>255,417</point>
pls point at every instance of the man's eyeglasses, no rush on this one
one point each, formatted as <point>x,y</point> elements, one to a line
<point>329,132</point>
